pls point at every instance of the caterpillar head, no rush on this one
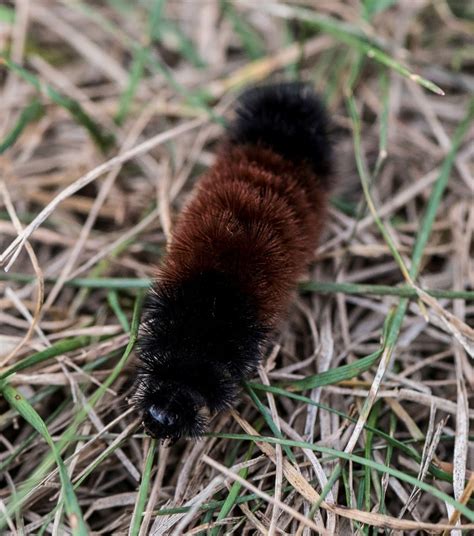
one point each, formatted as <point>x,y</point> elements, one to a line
<point>170,410</point>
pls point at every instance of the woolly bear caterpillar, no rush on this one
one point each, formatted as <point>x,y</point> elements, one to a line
<point>237,250</point>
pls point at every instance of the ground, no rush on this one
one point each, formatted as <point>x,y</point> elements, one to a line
<point>110,112</point>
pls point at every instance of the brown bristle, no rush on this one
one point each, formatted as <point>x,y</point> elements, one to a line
<point>254,216</point>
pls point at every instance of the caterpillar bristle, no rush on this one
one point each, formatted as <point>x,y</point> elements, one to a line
<point>288,118</point>
<point>236,253</point>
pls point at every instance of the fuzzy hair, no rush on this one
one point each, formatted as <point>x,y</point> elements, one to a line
<point>289,119</point>
<point>236,254</point>
<point>198,340</point>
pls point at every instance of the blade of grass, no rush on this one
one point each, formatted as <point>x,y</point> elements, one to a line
<point>250,39</point>
<point>143,490</point>
<point>96,272</point>
<point>212,505</point>
<point>43,467</point>
<point>22,72</point>
<point>59,348</point>
<point>366,180</point>
<point>185,46</point>
<point>113,299</point>
<point>292,69</point>
<point>31,113</point>
<point>381,468</point>
<point>73,510</point>
<point>268,419</point>
<point>372,7</point>
<point>438,190</point>
<point>393,326</point>
<point>161,27</point>
<point>136,73</point>
<point>101,137</point>
<point>231,499</point>
<point>380,290</point>
<point>388,459</point>
<point>140,58</point>
<point>7,14</point>
<point>404,446</point>
<point>335,375</point>
<point>369,437</point>
<point>198,99</point>
<point>14,455</point>
<point>349,35</point>
<point>383,136</point>
<point>121,283</point>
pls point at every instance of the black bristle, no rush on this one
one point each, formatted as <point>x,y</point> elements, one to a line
<point>287,118</point>
<point>198,340</point>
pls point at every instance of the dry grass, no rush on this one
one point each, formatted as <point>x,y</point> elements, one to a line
<point>360,421</point>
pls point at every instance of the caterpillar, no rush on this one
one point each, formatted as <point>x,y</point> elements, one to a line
<point>236,253</point>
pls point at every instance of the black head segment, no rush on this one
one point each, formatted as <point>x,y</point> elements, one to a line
<point>171,412</point>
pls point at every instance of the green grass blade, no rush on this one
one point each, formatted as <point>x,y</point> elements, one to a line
<point>184,45</point>
<point>381,468</point>
<point>366,181</point>
<point>13,456</point>
<point>113,299</point>
<point>438,190</point>
<point>104,140</point>
<point>268,419</point>
<point>71,431</point>
<point>339,374</point>
<point>124,283</point>
<point>73,510</point>
<point>231,499</point>
<point>380,290</point>
<point>402,446</point>
<point>388,459</point>
<point>369,438</point>
<point>372,7</point>
<point>59,348</point>
<point>7,14</point>
<point>251,40</point>
<point>100,136</point>
<point>143,491</point>
<point>136,73</point>
<point>353,37</point>
<point>384,116</point>
<point>31,113</point>
<point>22,72</point>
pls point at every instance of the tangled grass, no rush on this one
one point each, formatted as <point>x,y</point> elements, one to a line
<point>360,420</point>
